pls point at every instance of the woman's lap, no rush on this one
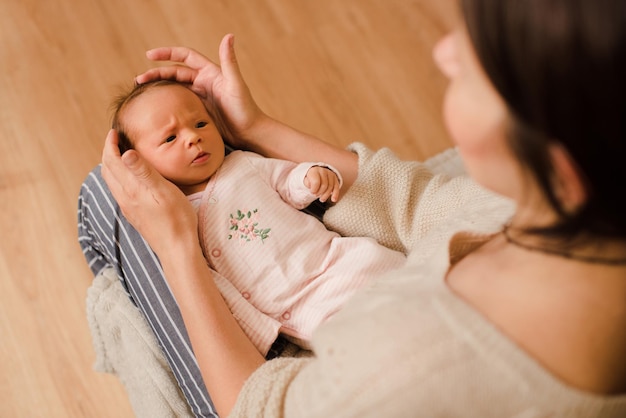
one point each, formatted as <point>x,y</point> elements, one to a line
<point>107,239</point>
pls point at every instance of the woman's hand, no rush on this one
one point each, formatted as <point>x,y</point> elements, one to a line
<point>166,220</point>
<point>154,206</point>
<point>221,87</point>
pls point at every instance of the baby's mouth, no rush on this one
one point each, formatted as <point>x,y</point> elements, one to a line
<point>201,157</point>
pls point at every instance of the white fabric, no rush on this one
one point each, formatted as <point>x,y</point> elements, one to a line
<point>126,347</point>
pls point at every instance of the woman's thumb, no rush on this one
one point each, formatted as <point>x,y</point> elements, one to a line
<point>228,59</point>
<point>136,164</point>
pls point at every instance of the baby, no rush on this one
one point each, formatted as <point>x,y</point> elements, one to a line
<point>279,269</point>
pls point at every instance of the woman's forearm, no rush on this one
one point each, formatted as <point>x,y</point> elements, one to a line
<point>225,355</point>
<point>274,139</point>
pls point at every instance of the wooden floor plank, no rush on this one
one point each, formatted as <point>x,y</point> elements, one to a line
<point>355,70</point>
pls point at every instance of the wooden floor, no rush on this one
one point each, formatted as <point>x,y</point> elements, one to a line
<point>350,70</point>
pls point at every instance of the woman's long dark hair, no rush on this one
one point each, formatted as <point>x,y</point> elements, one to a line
<point>560,65</point>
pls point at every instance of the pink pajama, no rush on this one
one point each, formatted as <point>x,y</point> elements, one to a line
<point>280,270</point>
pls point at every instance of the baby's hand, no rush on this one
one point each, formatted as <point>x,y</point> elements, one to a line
<point>323,183</point>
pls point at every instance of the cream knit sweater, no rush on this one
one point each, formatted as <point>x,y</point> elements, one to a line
<point>407,346</point>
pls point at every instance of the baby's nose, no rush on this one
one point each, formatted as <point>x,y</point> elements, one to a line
<point>193,139</point>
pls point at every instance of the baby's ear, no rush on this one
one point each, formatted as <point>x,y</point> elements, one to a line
<point>124,143</point>
<point>569,182</point>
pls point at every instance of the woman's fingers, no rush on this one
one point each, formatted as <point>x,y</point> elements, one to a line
<point>193,62</point>
<point>179,73</point>
<point>192,68</point>
<point>221,87</point>
<point>190,57</point>
<point>110,161</point>
<point>114,170</point>
<point>125,174</point>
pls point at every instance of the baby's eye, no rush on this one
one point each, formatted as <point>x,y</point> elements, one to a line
<point>170,138</point>
<point>201,124</point>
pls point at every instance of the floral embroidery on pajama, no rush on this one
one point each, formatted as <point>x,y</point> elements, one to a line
<point>245,226</point>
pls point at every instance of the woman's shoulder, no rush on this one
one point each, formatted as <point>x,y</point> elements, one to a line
<point>578,339</point>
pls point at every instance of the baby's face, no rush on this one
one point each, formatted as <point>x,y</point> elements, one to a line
<point>171,129</point>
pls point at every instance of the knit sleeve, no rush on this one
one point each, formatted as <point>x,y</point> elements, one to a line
<point>264,393</point>
<point>398,202</point>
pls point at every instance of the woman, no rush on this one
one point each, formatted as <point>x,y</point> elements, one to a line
<point>513,300</point>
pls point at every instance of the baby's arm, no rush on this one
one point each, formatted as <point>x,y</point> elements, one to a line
<point>302,184</point>
<point>323,183</point>
<point>297,184</point>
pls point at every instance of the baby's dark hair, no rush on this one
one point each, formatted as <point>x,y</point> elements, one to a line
<point>124,99</point>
